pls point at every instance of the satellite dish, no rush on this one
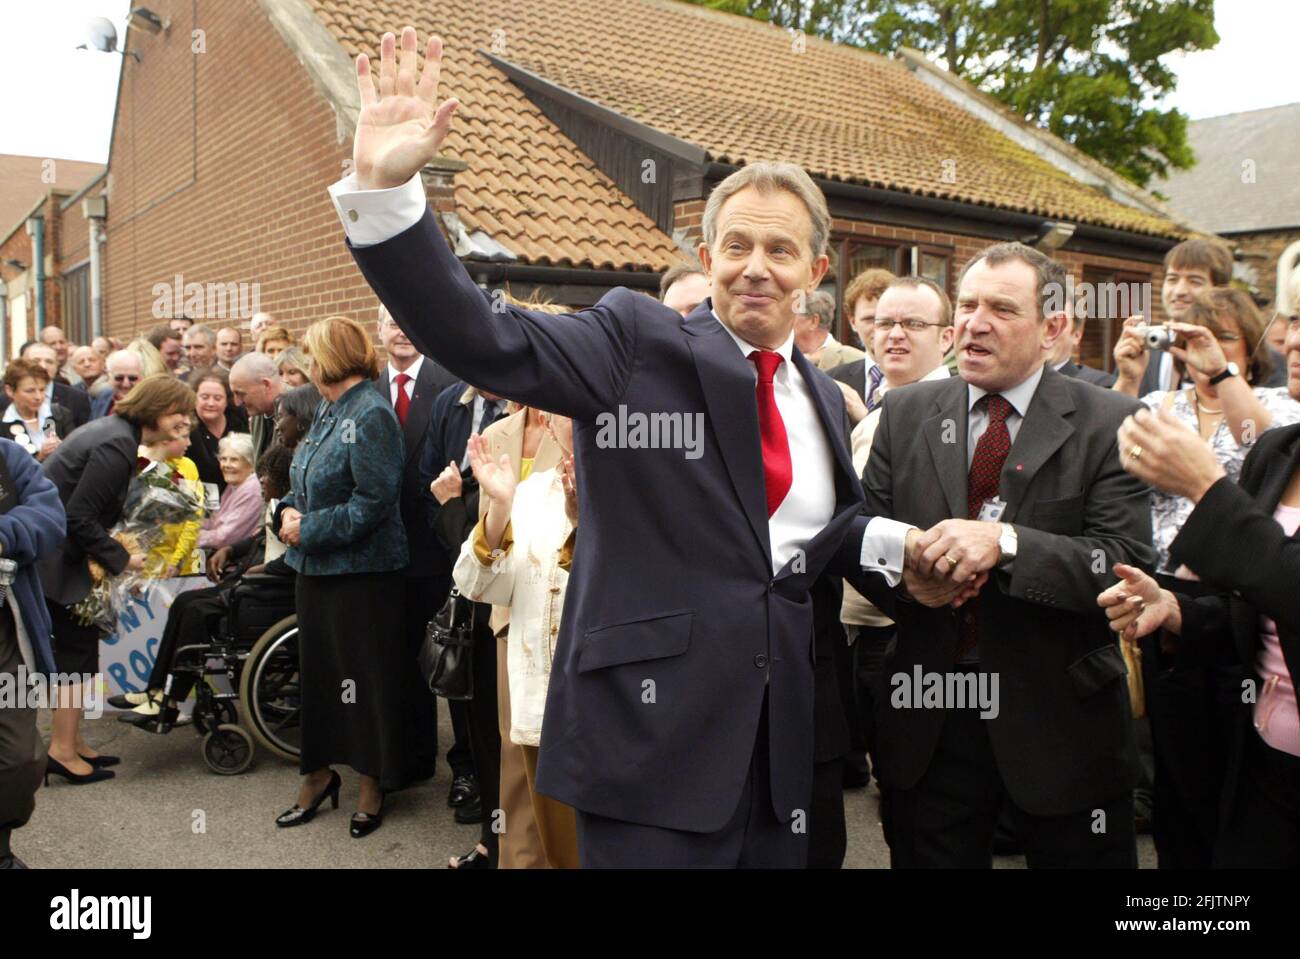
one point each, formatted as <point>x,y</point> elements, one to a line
<point>102,35</point>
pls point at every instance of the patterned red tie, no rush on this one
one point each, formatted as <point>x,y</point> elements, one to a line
<point>403,404</point>
<point>981,485</point>
<point>778,471</point>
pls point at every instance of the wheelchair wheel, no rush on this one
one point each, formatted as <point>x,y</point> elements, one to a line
<point>223,714</point>
<point>228,750</point>
<point>270,692</point>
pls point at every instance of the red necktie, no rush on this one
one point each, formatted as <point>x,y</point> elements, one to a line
<point>778,471</point>
<point>982,485</point>
<point>403,404</point>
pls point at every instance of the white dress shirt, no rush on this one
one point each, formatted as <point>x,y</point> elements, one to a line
<point>413,371</point>
<point>370,217</point>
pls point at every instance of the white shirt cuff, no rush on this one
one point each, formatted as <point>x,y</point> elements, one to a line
<point>884,545</point>
<point>373,216</point>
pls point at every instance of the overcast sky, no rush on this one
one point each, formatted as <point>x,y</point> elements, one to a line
<point>65,110</point>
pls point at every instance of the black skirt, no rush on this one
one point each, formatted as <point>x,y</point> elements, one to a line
<point>76,647</point>
<point>363,704</point>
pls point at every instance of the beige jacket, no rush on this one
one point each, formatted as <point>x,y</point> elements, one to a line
<point>528,576</point>
<point>506,436</point>
<point>835,353</point>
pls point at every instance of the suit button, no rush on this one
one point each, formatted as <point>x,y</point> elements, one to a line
<point>760,661</point>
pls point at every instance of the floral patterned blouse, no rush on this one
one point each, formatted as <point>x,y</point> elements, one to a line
<point>1169,513</point>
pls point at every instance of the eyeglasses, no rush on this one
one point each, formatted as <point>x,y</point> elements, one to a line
<point>1227,338</point>
<point>883,324</point>
<point>126,378</point>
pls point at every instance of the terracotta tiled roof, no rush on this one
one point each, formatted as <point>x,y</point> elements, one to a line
<point>733,86</point>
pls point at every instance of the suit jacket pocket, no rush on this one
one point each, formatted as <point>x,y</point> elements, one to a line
<point>1092,671</point>
<point>1059,515</point>
<point>657,637</point>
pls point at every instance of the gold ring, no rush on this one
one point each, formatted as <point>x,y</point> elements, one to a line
<point>952,563</point>
<point>1134,451</point>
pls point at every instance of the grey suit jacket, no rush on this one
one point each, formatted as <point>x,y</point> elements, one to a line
<point>1088,374</point>
<point>1063,735</point>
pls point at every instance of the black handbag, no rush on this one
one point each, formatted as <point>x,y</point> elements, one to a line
<point>447,653</point>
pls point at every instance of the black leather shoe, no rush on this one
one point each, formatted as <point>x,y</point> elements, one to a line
<point>472,860</point>
<point>53,766</point>
<point>471,812</point>
<point>297,815</point>
<point>102,762</point>
<point>463,788</point>
<point>363,824</point>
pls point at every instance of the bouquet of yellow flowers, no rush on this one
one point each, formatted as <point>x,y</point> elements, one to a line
<point>158,495</point>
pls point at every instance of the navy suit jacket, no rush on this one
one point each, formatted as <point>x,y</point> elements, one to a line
<point>420,540</point>
<point>674,627</point>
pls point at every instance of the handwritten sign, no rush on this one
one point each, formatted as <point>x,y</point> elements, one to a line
<point>127,657</point>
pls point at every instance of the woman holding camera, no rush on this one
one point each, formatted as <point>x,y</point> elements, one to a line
<point>1190,702</point>
<point>1242,540</point>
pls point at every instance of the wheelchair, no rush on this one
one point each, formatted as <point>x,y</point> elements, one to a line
<point>254,653</point>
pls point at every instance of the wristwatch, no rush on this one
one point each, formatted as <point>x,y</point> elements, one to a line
<point>1230,370</point>
<point>1007,543</point>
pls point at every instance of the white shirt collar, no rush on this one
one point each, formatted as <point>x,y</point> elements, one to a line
<point>413,371</point>
<point>43,416</point>
<point>1019,396</point>
<point>785,349</point>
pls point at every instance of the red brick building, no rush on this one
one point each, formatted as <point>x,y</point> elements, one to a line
<point>589,135</point>
<point>44,247</point>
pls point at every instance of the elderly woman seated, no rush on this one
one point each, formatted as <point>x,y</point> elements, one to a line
<point>240,511</point>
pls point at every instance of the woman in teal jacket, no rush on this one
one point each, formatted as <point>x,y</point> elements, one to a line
<point>341,521</point>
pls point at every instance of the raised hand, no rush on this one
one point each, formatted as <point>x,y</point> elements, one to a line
<point>401,128</point>
<point>1201,350</point>
<point>496,480</point>
<point>1137,606</point>
<point>1131,357</point>
<point>448,486</point>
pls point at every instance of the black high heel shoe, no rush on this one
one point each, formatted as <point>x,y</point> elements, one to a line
<point>95,775</point>
<point>364,823</point>
<point>297,815</point>
<point>102,762</point>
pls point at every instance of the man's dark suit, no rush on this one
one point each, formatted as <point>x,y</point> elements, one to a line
<point>675,631</point>
<point>1088,374</point>
<point>1232,541</point>
<point>426,588</point>
<point>1062,740</point>
<point>75,401</point>
<point>853,374</point>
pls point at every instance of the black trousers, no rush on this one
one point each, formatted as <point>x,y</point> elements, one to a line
<point>485,730</point>
<point>828,837</point>
<point>753,839</point>
<point>869,650</point>
<point>22,754</point>
<point>191,621</point>
<point>1261,830</point>
<point>947,820</point>
<point>423,598</point>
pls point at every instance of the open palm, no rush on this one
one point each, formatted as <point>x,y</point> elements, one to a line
<point>402,126</point>
<point>496,479</point>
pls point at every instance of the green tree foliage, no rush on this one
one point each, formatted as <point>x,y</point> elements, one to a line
<point>1088,70</point>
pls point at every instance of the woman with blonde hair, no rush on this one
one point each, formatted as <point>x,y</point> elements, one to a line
<point>343,526</point>
<point>294,368</point>
<point>151,361</point>
<point>274,340</point>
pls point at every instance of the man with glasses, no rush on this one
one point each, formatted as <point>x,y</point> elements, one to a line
<point>909,336</point>
<point>124,371</point>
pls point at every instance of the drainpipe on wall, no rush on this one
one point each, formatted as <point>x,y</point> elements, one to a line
<point>4,319</point>
<point>36,229</point>
<point>95,209</point>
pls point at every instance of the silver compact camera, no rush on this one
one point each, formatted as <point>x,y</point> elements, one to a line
<point>1156,337</point>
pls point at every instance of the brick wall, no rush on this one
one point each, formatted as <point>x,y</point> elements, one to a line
<point>219,171</point>
<point>1260,253</point>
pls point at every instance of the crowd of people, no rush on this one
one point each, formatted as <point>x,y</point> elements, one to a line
<point>1042,606</point>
